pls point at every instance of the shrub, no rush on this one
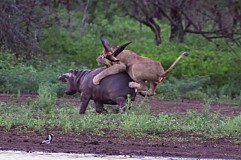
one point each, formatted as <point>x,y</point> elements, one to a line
<point>47,97</point>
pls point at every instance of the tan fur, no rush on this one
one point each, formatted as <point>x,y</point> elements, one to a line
<point>140,69</point>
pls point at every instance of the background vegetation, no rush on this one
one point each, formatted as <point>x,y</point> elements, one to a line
<point>47,38</point>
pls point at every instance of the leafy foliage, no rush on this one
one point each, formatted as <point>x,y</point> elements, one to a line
<point>47,97</point>
<point>211,68</point>
<point>16,75</point>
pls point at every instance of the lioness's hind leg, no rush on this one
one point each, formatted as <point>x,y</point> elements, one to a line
<point>134,85</point>
<point>152,90</point>
<point>141,86</point>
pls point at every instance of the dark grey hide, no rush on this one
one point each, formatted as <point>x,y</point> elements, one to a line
<point>113,89</point>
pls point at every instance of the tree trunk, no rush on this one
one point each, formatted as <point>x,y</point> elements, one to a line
<point>177,31</point>
<point>155,29</point>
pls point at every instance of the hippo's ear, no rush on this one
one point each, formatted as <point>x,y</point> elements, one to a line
<point>73,71</point>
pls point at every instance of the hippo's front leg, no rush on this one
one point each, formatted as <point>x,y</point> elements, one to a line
<point>84,101</point>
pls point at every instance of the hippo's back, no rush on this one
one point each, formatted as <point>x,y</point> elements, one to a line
<point>112,87</point>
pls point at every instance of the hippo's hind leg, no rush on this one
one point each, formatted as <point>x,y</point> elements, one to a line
<point>99,107</point>
<point>121,101</point>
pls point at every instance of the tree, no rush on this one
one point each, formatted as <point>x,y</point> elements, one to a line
<point>143,12</point>
<point>210,19</point>
<point>20,24</point>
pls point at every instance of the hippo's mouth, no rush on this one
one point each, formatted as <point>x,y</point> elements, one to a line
<point>63,79</point>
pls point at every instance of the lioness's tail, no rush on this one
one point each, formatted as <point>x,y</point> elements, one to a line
<point>172,66</point>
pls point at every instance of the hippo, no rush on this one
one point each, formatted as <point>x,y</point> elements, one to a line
<point>113,89</point>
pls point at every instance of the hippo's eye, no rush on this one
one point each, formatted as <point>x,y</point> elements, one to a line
<point>102,57</point>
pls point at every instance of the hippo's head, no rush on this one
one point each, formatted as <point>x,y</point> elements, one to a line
<point>70,79</point>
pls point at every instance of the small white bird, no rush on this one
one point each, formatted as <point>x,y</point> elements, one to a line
<point>48,140</point>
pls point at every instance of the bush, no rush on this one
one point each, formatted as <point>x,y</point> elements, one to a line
<point>47,97</point>
<point>16,75</point>
<point>209,69</point>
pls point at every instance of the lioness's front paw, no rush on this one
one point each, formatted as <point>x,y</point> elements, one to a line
<point>96,81</point>
<point>132,84</point>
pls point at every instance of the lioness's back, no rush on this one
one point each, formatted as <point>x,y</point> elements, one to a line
<point>129,57</point>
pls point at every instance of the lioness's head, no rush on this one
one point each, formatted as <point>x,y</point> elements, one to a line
<point>69,79</point>
<point>102,60</point>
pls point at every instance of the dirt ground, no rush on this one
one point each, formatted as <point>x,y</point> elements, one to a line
<point>168,144</point>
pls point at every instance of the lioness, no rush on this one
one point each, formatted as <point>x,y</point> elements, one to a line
<point>140,69</point>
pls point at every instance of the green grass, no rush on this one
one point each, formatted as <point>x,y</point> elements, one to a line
<point>136,121</point>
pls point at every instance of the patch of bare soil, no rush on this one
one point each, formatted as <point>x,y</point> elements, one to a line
<point>168,144</point>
